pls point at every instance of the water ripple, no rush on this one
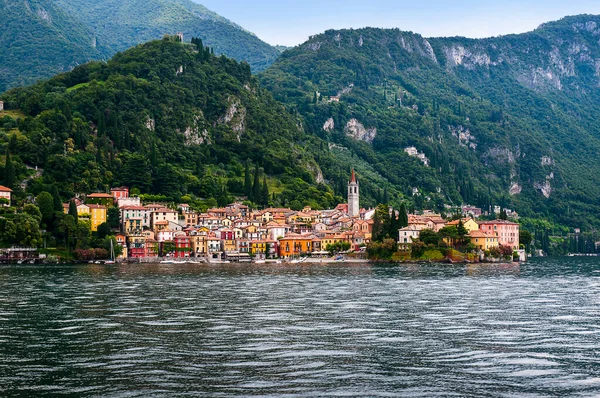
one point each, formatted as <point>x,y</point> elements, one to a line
<point>302,331</point>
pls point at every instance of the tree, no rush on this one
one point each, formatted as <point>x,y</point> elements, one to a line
<point>83,234</point>
<point>33,211</point>
<point>393,225</point>
<point>381,222</point>
<point>9,171</point>
<point>247,180</point>
<point>402,217</point>
<point>265,193</point>
<point>462,232</point>
<point>27,229</point>
<point>58,206</point>
<point>525,237</point>
<point>503,215</point>
<point>73,210</point>
<point>45,202</point>
<point>113,217</point>
<point>256,191</point>
<point>429,237</point>
<point>449,233</point>
<point>104,230</point>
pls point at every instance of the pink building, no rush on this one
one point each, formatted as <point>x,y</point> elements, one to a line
<point>506,231</point>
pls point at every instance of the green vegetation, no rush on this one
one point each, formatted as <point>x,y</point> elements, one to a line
<point>167,119</point>
<point>41,38</point>
<point>494,132</point>
<point>123,24</point>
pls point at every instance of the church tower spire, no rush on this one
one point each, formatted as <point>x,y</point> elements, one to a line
<point>353,196</point>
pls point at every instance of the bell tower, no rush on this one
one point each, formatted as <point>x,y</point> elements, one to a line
<point>353,196</point>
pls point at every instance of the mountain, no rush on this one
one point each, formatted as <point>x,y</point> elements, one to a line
<point>510,121</point>
<point>123,24</point>
<point>166,118</point>
<point>38,40</point>
<point>41,38</point>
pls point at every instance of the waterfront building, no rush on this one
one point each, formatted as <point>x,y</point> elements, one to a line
<point>506,231</point>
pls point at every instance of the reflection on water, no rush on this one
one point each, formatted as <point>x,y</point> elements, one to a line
<point>302,330</point>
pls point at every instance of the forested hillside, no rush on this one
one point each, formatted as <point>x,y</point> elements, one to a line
<point>41,38</point>
<point>510,121</point>
<point>38,39</point>
<point>164,118</point>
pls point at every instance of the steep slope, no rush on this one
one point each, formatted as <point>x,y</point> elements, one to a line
<point>38,40</point>
<point>509,120</point>
<point>122,24</point>
<point>167,118</point>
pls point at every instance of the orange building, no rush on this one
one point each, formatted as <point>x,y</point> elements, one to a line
<point>295,244</point>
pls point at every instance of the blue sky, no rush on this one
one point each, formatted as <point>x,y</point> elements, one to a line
<point>290,22</point>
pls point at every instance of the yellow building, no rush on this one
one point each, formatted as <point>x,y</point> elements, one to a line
<point>332,239</point>
<point>469,224</point>
<point>96,214</point>
<point>483,241</point>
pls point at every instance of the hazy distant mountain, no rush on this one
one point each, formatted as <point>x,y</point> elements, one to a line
<point>43,37</point>
<point>39,39</point>
<point>122,24</point>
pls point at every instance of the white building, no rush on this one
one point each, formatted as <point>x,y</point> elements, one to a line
<point>137,212</point>
<point>5,193</point>
<point>130,201</point>
<point>164,214</point>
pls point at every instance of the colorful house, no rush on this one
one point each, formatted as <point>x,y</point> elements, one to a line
<point>135,212</point>
<point>5,193</point>
<point>162,215</point>
<point>183,245</point>
<point>263,248</point>
<point>119,193</point>
<point>469,224</point>
<point>483,240</point>
<point>506,231</point>
<point>295,244</point>
<point>95,214</point>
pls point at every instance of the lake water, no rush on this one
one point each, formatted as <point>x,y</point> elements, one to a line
<point>302,331</point>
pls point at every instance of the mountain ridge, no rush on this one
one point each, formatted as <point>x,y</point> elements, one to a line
<point>95,30</point>
<point>512,114</point>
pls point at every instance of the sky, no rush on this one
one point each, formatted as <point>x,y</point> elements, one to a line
<point>291,22</point>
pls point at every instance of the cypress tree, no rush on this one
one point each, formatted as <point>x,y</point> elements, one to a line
<point>12,144</point>
<point>73,209</point>
<point>56,197</point>
<point>265,192</point>
<point>101,124</point>
<point>247,181</point>
<point>402,217</point>
<point>386,198</point>
<point>393,226</point>
<point>256,191</point>
<point>9,171</point>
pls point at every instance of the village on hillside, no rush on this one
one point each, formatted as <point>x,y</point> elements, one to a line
<point>237,233</point>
